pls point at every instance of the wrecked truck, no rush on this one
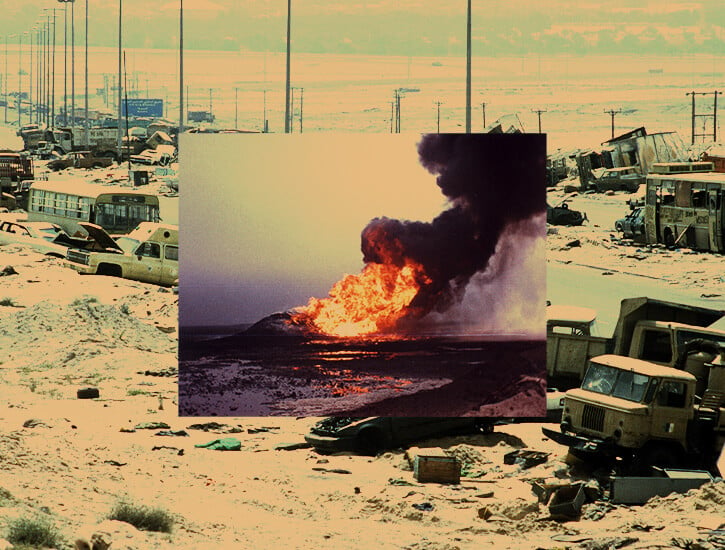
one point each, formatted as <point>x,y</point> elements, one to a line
<point>646,414</point>
<point>150,253</point>
<point>653,330</point>
<point>561,214</point>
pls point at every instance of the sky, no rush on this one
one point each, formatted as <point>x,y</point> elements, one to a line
<point>267,221</point>
<point>397,27</point>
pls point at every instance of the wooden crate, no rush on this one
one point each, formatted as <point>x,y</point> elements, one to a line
<point>434,466</point>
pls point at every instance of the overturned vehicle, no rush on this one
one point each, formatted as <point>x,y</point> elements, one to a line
<point>561,214</point>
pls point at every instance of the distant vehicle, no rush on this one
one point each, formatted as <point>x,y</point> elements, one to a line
<point>150,253</point>
<point>67,203</point>
<point>563,215</point>
<point>632,225</point>
<point>80,159</point>
<point>626,178</point>
<point>373,434</point>
<point>162,155</point>
<point>46,238</point>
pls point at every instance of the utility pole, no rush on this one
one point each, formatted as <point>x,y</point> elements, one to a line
<point>438,120</point>
<point>73,61</point>
<point>181,67</point>
<point>236,108</point>
<point>20,73</point>
<point>468,69</point>
<point>65,62</point>
<point>704,115</point>
<point>265,126</point>
<point>287,86</point>
<point>483,107</point>
<point>86,137</point>
<point>392,115</point>
<point>302,97</point>
<point>292,110</point>
<point>613,112</point>
<point>5,80</point>
<point>538,112</point>
<point>119,133</point>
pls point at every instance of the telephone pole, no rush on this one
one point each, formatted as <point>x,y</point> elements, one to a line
<point>539,111</point>
<point>483,107</point>
<point>438,118</point>
<point>468,69</point>
<point>704,115</point>
<point>287,85</point>
<point>613,112</point>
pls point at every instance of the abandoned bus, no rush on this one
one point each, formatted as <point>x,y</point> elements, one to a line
<point>116,209</point>
<point>686,210</point>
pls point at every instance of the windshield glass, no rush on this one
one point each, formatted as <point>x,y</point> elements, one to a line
<point>127,244</point>
<point>608,380</point>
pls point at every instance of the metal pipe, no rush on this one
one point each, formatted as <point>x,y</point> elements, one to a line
<point>468,69</point>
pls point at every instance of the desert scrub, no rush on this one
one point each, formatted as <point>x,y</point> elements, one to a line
<point>142,517</point>
<point>33,533</point>
<point>84,300</point>
<point>8,302</point>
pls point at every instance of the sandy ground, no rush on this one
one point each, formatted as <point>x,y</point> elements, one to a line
<point>72,459</point>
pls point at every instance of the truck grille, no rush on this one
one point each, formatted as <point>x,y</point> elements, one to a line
<point>593,418</point>
<point>77,256</point>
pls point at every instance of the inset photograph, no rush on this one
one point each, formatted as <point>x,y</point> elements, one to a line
<point>363,275</point>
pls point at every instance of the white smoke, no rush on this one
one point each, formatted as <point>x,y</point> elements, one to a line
<point>509,296</point>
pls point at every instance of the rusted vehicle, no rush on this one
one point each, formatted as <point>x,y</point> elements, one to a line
<point>44,237</point>
<point>373,434</point>
<point>563,215</point>
<point>653,330</point>
<point>80,159</point>
<point>150,253</point>
<point>647,414</point>
<point>625,178</point>
<point>632,225</point>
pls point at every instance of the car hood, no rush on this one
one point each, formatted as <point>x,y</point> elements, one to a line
<point>99,235</point>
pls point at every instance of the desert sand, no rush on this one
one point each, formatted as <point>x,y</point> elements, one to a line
<point>70,460</point>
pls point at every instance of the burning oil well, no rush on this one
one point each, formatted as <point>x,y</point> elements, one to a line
<point>493,182</point>
<point>435,323</point>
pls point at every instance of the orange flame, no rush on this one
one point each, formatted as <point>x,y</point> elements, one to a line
<point>370,302</point>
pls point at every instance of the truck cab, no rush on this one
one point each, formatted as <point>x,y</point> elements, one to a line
<point>646,413</point>
<point>150,253</point>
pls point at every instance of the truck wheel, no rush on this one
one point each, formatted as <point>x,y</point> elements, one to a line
<point>657,454</point>
<point>669,238</point>
<point>110,269</point>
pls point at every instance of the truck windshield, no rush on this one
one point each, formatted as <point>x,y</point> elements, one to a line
<point>608,380</point>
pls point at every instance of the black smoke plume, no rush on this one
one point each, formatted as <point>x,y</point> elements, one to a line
<point>491,180</point>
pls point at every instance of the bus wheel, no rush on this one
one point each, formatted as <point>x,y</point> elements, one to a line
<point>669,238</point>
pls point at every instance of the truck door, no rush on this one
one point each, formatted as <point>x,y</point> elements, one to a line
<point>147,264</point>
<point>170,265</point>
<point>672,411</point>
<point>716,225</point>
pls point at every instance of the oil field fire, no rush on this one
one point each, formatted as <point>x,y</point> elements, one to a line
<point>397,326</point>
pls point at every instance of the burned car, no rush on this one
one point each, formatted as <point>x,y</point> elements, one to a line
<point>372,434</point>
<point>80,159</point>
<point>44,237</point>
<point>625,178</point>
<point>632,225</point>
<point>563,215</point>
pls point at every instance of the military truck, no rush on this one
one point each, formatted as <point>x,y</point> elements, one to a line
<point>648,329</point>
<point>645,415</point>
<point>102,142</point>
<point>150,253</point>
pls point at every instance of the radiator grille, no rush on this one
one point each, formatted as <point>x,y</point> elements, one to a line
<point>593,418</point>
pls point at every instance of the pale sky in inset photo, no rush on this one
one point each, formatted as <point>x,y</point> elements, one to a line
<point>267,221</point>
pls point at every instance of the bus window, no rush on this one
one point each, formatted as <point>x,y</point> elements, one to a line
<point>699,199</point>
<point>683,191</point>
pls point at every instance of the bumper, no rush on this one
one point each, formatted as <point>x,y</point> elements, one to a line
<point>80,268</point>
<point>330,443</point>
<point>581,444</point>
